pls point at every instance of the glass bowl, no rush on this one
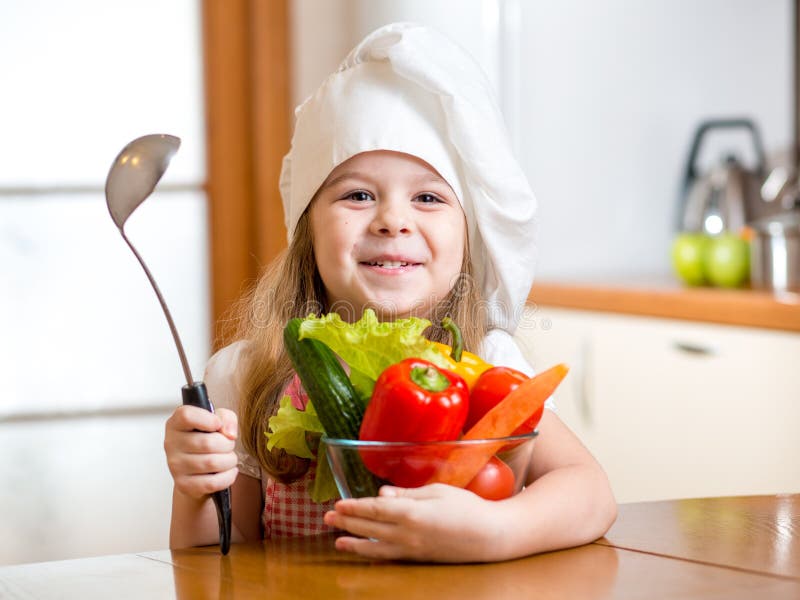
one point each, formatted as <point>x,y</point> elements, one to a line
<point>492,468</point>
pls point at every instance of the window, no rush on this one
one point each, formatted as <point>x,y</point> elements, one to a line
<point>80,326</point>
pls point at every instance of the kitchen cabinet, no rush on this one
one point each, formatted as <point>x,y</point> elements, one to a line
<point>674,408</point>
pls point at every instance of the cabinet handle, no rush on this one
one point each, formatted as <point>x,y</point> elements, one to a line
<point>695,349</point>
<point>582,383</point>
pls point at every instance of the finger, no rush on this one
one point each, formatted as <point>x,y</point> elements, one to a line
<point>359,526</point>
<point>230,423</point>
<point>190,465</point>
<point>199,486</point>
<point>189,418</point>
<point>202,464</point>
<point>196,442</point>
<point>382,508</point>
<point>370,548</point>
<point>426,492</point>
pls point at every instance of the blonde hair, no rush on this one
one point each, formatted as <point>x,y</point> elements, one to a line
<point>291,287</point>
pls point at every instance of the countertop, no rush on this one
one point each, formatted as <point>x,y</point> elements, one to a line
<point>666,298</point>
<point>745,547</point>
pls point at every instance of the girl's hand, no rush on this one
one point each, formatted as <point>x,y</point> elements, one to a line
<point>199,447</point>
<point>431,523</point>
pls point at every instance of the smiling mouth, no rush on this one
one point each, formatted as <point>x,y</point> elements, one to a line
<point>389,264</point>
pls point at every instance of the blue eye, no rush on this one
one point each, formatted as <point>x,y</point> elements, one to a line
<point>428,199</point>
<point>359,196</point>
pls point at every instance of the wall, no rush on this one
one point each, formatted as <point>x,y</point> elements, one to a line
<point>612,93</point>
<point>602,100</point>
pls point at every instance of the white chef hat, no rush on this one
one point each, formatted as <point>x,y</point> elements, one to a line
<point>409,89</point>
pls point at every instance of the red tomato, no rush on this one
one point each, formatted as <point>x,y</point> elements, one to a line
<point>495,481</point>
<point>492,386</point>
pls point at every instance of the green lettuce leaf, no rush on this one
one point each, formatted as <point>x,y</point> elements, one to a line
<point>369,346</point>
<point>363,386</point>
<point>287,429</point>
<point>324,486</point>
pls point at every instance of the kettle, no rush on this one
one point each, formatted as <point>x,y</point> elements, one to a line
<point>728,196</point>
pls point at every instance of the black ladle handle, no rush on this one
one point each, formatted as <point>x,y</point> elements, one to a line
<point>197,395</point>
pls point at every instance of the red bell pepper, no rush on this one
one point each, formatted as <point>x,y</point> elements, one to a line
<point>413,401</point>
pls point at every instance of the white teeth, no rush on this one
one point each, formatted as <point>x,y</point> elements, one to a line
<point>390,264</point>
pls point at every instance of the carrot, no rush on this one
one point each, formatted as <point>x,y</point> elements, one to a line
<point>464,463</point>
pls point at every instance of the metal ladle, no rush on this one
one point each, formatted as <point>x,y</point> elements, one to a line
<point>132,178</point>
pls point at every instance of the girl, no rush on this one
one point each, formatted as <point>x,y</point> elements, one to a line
<point>401,194</point>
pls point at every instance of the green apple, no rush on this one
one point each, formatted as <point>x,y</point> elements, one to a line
<point>727,261</point>
<point>688,257</point>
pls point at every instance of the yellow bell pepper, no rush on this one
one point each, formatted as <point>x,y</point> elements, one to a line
<point>468,365</point>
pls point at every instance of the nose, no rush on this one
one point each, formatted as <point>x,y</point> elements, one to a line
<point>391,218</point>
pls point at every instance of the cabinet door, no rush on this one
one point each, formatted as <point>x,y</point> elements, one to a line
<point>676,409</point>
<point>549,336</point>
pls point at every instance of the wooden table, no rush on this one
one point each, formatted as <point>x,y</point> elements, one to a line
<point>721,548</point>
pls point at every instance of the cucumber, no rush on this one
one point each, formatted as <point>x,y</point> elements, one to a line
<point>338,405</point>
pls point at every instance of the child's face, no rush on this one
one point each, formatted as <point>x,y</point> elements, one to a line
<point>388,233</point>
